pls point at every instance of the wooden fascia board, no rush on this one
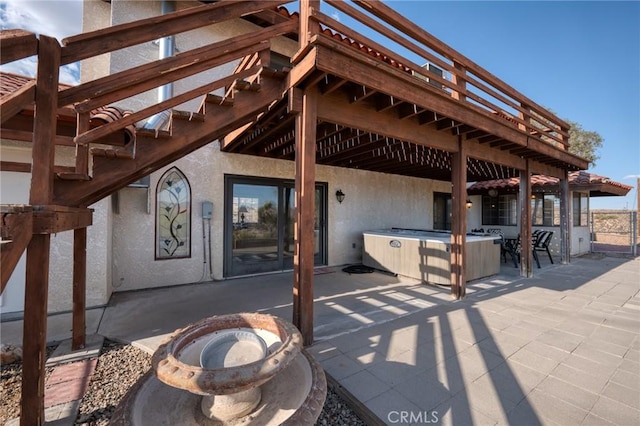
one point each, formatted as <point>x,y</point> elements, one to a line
<point>113,174</point>
<point>333,109</point>
<point>17,44</point>
<point>341,60</point>
<point>18,100</point>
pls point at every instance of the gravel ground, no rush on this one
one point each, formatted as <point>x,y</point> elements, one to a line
<point>118,368</point>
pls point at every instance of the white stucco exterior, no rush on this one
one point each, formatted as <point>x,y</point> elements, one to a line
<point>120,249</point>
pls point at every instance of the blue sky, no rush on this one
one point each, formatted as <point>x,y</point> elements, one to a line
<point>581,59</point>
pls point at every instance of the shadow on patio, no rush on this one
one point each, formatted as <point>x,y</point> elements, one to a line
<point>513,351</point>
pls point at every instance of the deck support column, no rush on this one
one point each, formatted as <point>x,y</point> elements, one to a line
<point>458,220</point>
<point>78,340</point>
<point>34,338</point>
<point>303,262</point>
<point>526,251</point>
<point>565,228</point>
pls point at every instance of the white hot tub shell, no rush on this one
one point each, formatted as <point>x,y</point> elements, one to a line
<point>426,255</point>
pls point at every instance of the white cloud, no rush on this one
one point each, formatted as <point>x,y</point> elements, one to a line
<point>631,177</point>
<point>55,18</point>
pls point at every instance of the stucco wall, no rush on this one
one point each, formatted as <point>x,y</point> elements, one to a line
<point>373,200</point>
<point>15,189</point>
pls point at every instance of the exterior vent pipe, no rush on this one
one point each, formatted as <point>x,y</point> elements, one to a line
<point>167,49</point>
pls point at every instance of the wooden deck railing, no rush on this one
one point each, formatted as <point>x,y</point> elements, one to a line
<point>461,78</point>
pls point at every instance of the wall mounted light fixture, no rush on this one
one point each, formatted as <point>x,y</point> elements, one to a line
<point>340,196</point>
<point>469,204</point>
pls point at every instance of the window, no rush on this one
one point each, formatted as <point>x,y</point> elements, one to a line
<point>545,209</point>
<point>500,210</point>
<point>173,216</point>
<point>441,211</point>
<point>580,209</point>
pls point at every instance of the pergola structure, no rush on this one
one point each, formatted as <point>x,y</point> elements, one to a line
<point>346,101</point>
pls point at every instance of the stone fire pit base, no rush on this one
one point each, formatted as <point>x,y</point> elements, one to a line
<point>295,396</point>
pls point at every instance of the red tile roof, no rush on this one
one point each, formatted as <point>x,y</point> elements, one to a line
<point>581,178</point>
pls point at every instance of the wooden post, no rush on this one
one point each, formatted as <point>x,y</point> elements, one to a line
<point>306,122</point>
<point>307,27</point>
<point>78,340</point>
<point>37,277</point>
<point>82,150</point>
<point>458,220</point>
<point>565,227</point>
<point>459,82</point>
<point>526,252</point>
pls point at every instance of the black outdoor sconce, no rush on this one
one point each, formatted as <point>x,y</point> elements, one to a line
<point>469,204</point>
<point>340,195</point>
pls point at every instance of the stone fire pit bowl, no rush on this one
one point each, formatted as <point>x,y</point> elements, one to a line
<point>292,383</point>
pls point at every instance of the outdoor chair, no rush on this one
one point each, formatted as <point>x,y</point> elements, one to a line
<point>542,242</point>
<point>503,250</point>
<point>512,247</point>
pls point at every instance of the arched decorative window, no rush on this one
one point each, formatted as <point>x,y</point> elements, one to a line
<point>173,216</point>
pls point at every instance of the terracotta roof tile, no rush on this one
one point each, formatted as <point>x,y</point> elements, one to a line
<point>578,178</point>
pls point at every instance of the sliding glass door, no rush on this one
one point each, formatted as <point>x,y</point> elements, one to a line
<point>259,222</point>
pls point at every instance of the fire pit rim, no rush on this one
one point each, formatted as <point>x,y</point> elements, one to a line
<point>223,381</point>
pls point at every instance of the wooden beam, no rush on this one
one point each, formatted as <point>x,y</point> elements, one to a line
<point>358,116</point>
<point>17,228</point>
<point>12,166</point>
<point>306,123</point>
<point>526,251</point>
<point>111,174</point>
<point>37,280</point>
<point>565,222</point>
<point>17,44</point>
<point>78,339</point>
<point>108,39</point>
<point>364,69</point>
<point>15,102</point>
<point>27,136</point>
<point>458,220</point>
<point>55,219</point>
<point>136,80</point>
<point>105,129</point>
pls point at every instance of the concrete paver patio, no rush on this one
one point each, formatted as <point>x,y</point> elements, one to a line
<point>560,348</point>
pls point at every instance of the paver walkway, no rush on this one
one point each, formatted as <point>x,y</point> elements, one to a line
<point>561,348</point>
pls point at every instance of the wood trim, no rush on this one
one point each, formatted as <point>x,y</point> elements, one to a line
<point>17,101</point>
<point>306,124</point>
<point>108,39</point>
<point>17,44</point>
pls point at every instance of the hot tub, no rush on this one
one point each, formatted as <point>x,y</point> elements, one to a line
<point>426,255</point>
